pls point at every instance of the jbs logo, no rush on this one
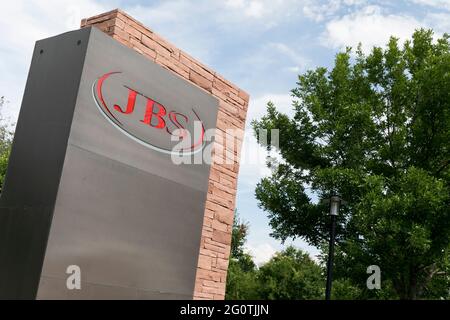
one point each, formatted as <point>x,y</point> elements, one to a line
<point>145,120</point>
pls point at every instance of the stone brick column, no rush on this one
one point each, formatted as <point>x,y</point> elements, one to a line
<point>233,102</point>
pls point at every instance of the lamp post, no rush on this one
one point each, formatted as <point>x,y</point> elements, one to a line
<point>335,203</point>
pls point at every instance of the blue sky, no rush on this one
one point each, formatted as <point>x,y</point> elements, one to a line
<point>260,45</point>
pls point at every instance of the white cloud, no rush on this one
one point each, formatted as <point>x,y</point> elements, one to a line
<point>261,253</point>
<point>22,24</point>
<point>440,4</point>
<point>253,156</point>
<point>294,69</point>
<point>235,3</point>
<point>178,22</point>
<point>270,10</point>
<point>209,21</point>
<point>319,10</point>
<point>370,26</point>
<point>440,22</point>
<point>274,61</point>
<point>257,107</point>
<point>252,164</point>
<point>299,60</point>
<point>255,9</point>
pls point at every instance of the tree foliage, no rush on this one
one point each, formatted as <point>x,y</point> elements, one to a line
<point>290,274</point>
<point>241,275</point>
<point>5,143</point>
<point>376,130</point>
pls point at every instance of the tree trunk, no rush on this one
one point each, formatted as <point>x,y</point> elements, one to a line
<point>415,288</point>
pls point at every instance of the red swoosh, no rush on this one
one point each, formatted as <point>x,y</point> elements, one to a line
<point>100,94</point>
<point>200,141</point>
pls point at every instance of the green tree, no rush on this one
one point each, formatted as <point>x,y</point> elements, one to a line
<point>290,275</point>
<point>5,142</point>
<point>374,129</point>
<point>241,277</point>
<point>343,289</point>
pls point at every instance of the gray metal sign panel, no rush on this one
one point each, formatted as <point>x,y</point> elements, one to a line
<point>36,160</point>
<point>124,213</point>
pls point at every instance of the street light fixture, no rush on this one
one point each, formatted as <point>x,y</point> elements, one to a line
<point>335,203</point>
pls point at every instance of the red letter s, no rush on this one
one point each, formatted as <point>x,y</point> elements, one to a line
<point>173,117</point>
